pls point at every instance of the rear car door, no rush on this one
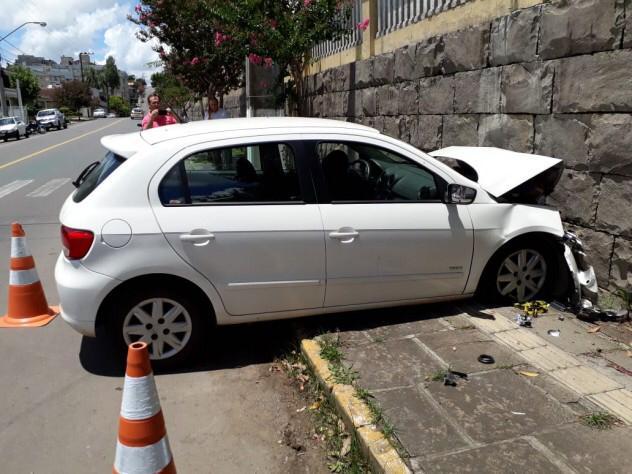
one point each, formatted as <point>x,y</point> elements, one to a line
<point>245,217</point>
<point>389,237</point>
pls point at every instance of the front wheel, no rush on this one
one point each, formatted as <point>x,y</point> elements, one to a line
<point>169,320</point>
<point>521,273</point>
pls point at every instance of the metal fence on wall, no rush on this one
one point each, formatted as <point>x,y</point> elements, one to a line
<point>395,14</point>
<point>355,38</point>
<point>391,15</point>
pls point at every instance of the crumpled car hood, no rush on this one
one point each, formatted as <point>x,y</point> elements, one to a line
<point>501,172</point>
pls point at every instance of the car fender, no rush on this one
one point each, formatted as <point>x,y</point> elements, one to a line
<point>497,224</point>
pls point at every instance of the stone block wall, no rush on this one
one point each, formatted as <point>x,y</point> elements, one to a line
<point>554,79</point>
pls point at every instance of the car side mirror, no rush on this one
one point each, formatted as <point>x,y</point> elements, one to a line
<point>459,194</point>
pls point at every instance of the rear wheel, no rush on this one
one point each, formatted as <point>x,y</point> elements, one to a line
<point>169,320</point>
<point>520,272</point>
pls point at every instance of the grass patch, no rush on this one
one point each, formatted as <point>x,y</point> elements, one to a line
<point>331,351</point>
<point>506,366</point>
<point>600,420</point>
<point>343,451</point>
<point>378,418</point>
<point>439,375</point>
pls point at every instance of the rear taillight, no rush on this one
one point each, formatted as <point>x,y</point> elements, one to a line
<point>76,242</point>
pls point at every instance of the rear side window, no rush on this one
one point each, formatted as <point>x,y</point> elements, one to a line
<point>264,173</point>
<point>89,179</point>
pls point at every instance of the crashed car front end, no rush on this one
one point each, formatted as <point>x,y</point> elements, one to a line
<point>584,282</point>
<point>526,179</point>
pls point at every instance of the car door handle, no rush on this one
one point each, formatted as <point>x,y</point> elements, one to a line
<point>196,237</point>
<point>345,237</point>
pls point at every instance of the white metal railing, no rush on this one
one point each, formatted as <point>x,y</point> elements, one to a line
<point>395,14</point>
<point>353,39</point>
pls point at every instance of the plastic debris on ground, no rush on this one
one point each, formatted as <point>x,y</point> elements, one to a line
<point>553,332</point>
<point>528,373</point>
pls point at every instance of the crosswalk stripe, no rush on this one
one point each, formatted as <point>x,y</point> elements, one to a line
<point>48,188</point>
<point>13,186</point>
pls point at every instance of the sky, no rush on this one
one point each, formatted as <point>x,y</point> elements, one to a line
<point>73,26</point>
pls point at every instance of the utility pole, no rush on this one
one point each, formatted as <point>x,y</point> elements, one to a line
<point>5,110</point>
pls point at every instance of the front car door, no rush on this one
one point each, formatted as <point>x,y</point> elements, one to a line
<point>389,237</point>
<point>245,217</point>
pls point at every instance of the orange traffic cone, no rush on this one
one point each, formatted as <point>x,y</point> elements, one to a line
<point>27,303</point>
<point>142,446</point>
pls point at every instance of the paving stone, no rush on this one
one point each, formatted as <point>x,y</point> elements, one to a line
<point>364,73</point>
<point>408,328</point>
<point>465,357</point>
<point>512,456</point>
<point>405,63</point>
<point>591,451</point>
<point>425,132</point>
<point>420,427</point>
<point>454,338</point>
<point>492,323</point>
<point>618,402</point>
<point>429,55</point>
<point>383,69</point>
<point>621,275</point>
<point>483,406</point>
<point>584,380</point>
<point>520,339</point>
<point>387,100</point>
<point>459,321</point>
<point>549,358</point>
<point>573,336</point>
<point>407,98</point>
<point>369,102</point>
<point>393,363</point>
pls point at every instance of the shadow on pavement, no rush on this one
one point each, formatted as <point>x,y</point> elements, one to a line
<point>245,344</point>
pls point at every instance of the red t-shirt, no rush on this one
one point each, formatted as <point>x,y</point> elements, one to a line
<point>159,121</point>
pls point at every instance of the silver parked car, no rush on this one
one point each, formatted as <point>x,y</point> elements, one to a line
<point>12,127</point>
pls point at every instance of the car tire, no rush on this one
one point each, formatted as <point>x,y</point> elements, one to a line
<point>520,271</point>
<point>125,324</point>
<point>17,136</point>
<point>65,125</point>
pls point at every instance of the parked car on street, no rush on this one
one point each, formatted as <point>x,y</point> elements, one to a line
<point>98,113</point>
<point>12,127</point>
<point>242,220</point>
<point>136,114</point>
<point>112,115</point>
<point>49,118</point>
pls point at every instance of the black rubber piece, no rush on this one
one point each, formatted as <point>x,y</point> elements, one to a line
<point>486,359</point>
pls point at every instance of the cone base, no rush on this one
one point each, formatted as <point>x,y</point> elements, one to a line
<point>31,322</point>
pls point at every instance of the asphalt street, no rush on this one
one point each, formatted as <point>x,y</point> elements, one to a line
<point>61,393</point>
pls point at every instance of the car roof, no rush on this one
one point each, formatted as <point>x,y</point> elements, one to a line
<point>264,124</point>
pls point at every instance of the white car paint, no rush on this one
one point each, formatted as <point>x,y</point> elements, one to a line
<point>262,262</point>
<point>9,126</point>
<point>499,170</point>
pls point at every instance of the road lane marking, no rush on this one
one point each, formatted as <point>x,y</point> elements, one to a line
<point>52,147</point>
<point>49,187</point>
<point>13,186</point>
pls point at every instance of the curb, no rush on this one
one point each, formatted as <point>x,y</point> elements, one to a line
<point>560,365</point>
<point>356,414</point>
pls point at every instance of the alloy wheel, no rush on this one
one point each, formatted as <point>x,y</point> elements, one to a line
<point>164,324</point>
<point>521,275</point>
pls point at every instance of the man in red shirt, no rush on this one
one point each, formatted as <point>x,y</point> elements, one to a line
<point>157,117</point>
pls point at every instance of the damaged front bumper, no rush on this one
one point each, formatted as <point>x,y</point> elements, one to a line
<point>582,273</point>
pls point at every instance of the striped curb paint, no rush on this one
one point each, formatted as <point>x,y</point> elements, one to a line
<point>382,456</point>
<point>142,446</point>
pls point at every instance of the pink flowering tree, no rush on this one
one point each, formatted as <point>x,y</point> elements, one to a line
<point>204,43</point>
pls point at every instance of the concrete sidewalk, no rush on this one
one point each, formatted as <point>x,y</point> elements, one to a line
<point>504,417</point>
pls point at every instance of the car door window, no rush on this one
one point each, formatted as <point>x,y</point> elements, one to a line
<point>355,172</point>
<point>262,173</point>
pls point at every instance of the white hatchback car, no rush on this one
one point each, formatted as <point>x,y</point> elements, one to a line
<point>242,220</point>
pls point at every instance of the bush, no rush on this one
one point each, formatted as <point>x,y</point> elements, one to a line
<point>67,112</point>
<point>118,105</point>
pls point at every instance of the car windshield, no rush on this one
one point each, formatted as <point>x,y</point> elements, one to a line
<point>95,176</point>
<point>7,121</point>
<point>43,113</point>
